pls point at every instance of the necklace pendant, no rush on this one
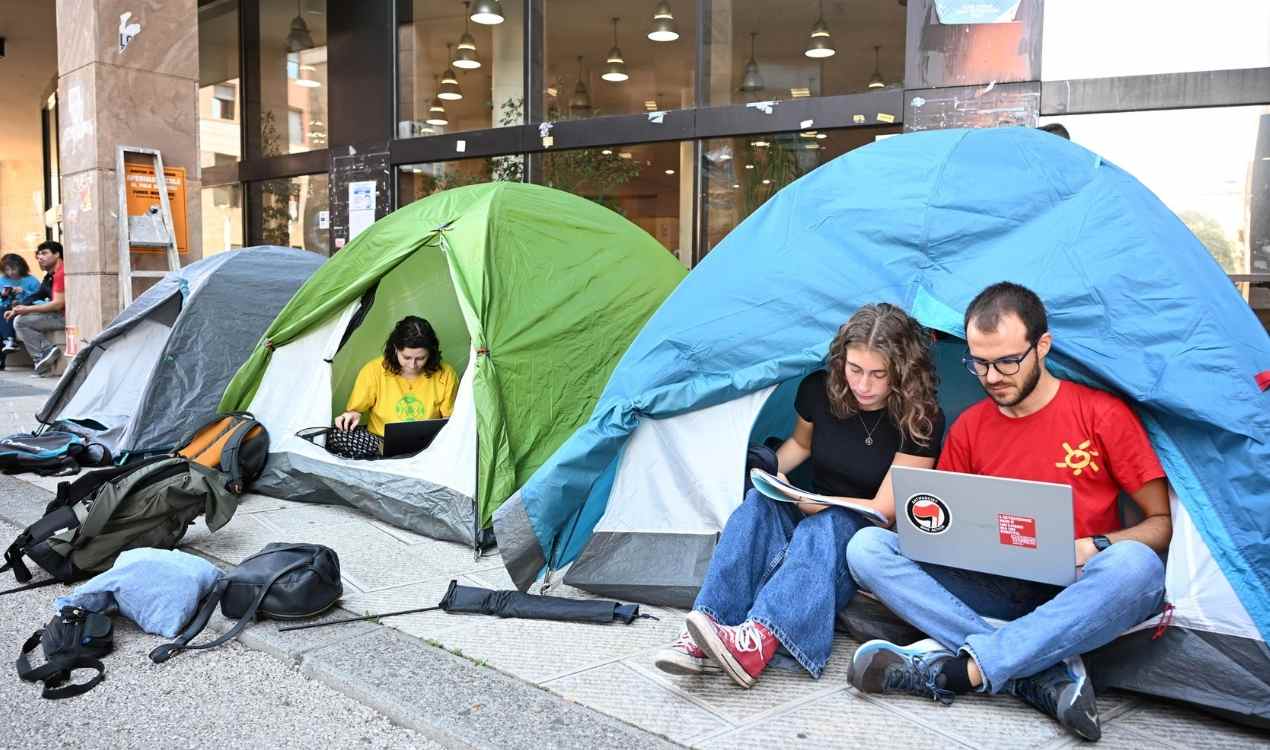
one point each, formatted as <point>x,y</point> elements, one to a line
<point>868,441</point>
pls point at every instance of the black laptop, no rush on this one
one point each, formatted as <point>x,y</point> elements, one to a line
<point>408,438</point>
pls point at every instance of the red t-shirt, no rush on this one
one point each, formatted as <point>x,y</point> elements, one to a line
<point>59,279</point>
<point>1084,437</point>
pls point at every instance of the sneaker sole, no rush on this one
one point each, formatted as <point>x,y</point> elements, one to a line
<point>673,662</point>
<point>699,626</point>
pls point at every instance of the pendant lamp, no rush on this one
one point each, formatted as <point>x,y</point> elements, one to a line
<point>299,37</point>
<point>615,70</point>
<point>436,111</point>
<point>751,81</point>
<point>465,56</point>
<point>450,90</point>
<point>580,104</point>
<point>487,12</point>
<point>876,81</point>
<point>663,24</point>
<point>819,46</point>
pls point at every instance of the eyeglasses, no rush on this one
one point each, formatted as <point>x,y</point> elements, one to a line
<point>1005,365</point>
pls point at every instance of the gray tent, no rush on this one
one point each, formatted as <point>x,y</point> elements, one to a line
<point>159,369</point>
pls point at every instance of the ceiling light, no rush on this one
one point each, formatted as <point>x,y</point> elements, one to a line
<point>876,81</point>
<point>760,143</point>
<point>735,186</point>
<point>308,67</point>
<point>800,93</point>
<point>766,181</point>
<point>436,111</point>
<point>650,105</point>
<point>663,24</point>
<point>615,72</point>
<point>670,171</point>
<point>811,146</point>
<point>607,152</point>
<point>553,91</point>
<point>808,134</point>
<point>307,83</point>
<point>450,90</point>
<point>580,104</point>
<point>821,136</point>
<point>819,46</point>
<point>466,58</point>
<point>751,80</point>
<point>487,12</point>
<point>625,154</point>
<point>749,166</point>
<point>299,37</point>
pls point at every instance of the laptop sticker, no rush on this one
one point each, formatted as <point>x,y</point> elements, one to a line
<point>927,513</point>
<point>1017,531</point>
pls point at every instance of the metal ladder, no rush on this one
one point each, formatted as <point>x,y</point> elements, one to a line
<point>152,229</point>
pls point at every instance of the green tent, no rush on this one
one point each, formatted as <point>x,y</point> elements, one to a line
<point>534,294</point>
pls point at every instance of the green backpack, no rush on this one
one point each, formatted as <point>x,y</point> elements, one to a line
<point>149,502</point>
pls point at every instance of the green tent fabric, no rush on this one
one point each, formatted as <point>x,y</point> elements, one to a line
<point>547,288</point>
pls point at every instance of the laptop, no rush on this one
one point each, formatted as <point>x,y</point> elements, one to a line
<point>408,438</point>
<point>1007,527</point>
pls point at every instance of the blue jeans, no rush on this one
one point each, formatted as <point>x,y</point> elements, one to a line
<point>1119,588</point>
<point>785,570</point>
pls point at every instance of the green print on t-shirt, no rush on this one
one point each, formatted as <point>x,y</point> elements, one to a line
<point>410,409</point>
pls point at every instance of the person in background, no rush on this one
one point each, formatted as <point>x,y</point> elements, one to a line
<point>779,575</point>
<point>45,313</point>
<point>17,286</point>
<point>408,383</point>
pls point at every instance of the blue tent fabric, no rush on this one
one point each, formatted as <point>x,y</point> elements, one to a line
<point>925,220</point>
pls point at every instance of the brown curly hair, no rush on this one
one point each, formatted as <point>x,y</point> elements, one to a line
<point>889,331</point>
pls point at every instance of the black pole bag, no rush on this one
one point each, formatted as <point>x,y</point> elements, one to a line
<point>475,600</point>
<point>74,639</point>
<point>281,582</point>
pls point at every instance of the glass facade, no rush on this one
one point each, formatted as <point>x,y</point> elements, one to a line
<point>222,219</point>
<point>295,212</point>
<point>220,84</point>
<point>455,75</point>
<point>789,50</point>
<point>415,181</point>
<point>740,174</point>
<point>293,76</point>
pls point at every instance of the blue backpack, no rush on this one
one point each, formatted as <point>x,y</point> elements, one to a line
<point>50,453</point>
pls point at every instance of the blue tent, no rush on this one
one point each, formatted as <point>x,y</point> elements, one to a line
<point>1137,306</point>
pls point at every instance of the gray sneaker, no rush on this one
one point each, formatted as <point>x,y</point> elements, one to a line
<point>1063,692</point>
<point>47,362</point>
<point>883,667</point>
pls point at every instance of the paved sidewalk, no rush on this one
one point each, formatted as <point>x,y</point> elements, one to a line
<point>609,668</point>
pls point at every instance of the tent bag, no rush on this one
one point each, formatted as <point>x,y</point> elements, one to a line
<point>479,601</point>
<point>74,639</point>
<point>281,582</point>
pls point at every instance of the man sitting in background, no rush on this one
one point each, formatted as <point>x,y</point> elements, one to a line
<point>34,321</point>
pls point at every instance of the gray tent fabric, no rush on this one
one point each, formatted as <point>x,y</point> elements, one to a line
<point>167,358</point>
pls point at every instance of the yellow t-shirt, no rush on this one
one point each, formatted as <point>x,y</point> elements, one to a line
<point>391,398</point>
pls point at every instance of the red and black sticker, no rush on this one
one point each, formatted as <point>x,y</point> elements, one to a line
<point>927,513</point>
<point>1017,531</point>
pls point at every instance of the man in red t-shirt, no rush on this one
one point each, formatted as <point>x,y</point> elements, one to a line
<point>32,322</point>
<point>1037,427</point>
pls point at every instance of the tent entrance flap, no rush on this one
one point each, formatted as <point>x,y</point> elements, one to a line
<point>419,285</point>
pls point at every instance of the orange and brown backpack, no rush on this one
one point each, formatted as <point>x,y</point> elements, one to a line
<point>149,502</point>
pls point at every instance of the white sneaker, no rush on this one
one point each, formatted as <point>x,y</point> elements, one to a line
<point>10,345</point>
<point>684,656</point>
<point>47,361</point>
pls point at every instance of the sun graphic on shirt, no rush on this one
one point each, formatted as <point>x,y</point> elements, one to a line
<point>1078,459</point>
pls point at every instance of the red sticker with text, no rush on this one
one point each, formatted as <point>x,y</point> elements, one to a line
<point>1017,531</point>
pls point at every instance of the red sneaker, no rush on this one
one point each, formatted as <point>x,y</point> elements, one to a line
<point>742,650</point>
<point>684,656</point>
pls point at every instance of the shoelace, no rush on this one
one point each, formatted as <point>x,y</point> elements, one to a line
<point>685,642</point>
<point>917,679</point>
<point>747,637</point>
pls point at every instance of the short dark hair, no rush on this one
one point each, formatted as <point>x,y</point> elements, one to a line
<point>1057,129</point>
<point>51,246</point>
<point>1003,298</point>
<point>13,260</point>
<point>412,332</point>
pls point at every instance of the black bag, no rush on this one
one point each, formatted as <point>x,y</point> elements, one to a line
<point>281,582</point>
<point>74,639</point>
<point>479,601</point>
<point>52,453</point>
<point>358,443</point>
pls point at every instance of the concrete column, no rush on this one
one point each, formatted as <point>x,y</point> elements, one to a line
<point>144,94</point>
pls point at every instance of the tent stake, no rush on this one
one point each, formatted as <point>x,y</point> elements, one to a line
<point>356,619</point>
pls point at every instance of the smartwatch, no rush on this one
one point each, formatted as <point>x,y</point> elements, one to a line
<point>1100,542</point>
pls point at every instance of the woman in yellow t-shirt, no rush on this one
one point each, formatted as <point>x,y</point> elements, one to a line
<point>408,383</point>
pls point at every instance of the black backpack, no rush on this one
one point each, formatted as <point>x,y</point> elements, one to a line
<point>49,453</point>
<point>74,639</point>
<point>281,582</point>
<point>149,502</point>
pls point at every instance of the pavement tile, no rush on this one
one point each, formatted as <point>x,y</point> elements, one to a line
<point>237,540</point>
<point>540,650</point>
<point>254,503</point>
<point>424,625</point>
<point>620,691</point>
<point>1177,723</point>
<point>461,704</point>
<point>982,721</point>
<point>776,691</point>
<point>297,519</point>
<point>264,635</point>
<point>1115,737</point>
<point>839,719</point>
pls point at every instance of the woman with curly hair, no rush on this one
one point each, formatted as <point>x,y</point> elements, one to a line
<point>408,383</point>
<point>779,574</point>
